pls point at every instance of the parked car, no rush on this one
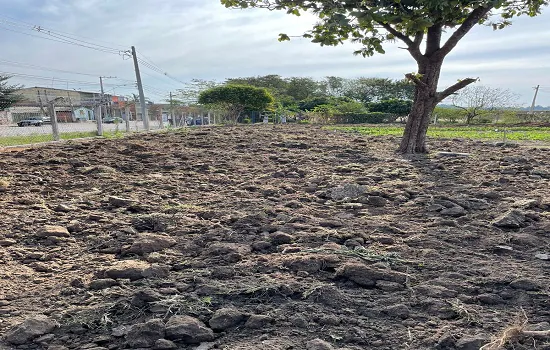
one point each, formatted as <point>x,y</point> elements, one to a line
<point>113,120</point>
<point>31,121</point>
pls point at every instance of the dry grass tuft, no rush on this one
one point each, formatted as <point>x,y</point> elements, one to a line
<point>514,333</point>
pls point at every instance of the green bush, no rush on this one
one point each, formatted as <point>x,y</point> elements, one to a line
<point>364,118</point>
<point>394,106</point>
<point>448,115</point>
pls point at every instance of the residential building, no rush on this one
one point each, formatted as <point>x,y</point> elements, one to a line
<point>71,105</point>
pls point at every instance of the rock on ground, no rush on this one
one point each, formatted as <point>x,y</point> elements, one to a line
<point>127,269</point>
<point>258,321</point>
<point>164,344</point>
<point>347,191</point>
<point>367,276</point>
<point>149,243</point>
<point>53,231</point>
<point>318,344</point>
<point>30,329</point>
<point>104,283</point>
<point>512,219</point>
<point>471,342</point>
<point>226,318</point>
<point>145,335</point>
<point>188,329</point>
<point>120,202</point>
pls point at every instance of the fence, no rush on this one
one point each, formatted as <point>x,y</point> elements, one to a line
<point>51,119</point>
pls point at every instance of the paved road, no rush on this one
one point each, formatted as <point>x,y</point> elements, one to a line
<point>14,130</point>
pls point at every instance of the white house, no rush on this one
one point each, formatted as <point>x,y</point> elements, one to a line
<point>83,113</point>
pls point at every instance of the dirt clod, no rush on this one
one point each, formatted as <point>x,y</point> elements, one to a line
<point>164,344</point>
<point>226,318</point>
<point>318,344</point>
<point>367,276</point>
<point>145,335</point>
<point>127,269</point>
<point>188,330</point>
<point>148,243</point>
<point>33,327</point>
<point>512,219</point>
<point>279,238</point>
<point>53,231</point>
<point>120,202</point>
<point>258,321</point>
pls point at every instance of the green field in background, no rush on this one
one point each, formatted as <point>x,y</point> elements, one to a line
<point>37,138</point>
<point>525,133</point>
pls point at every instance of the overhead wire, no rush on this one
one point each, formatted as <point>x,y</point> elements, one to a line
<point>16,26</point>
<point>38,77</point>
<point>151,65</point>
<point>32,66</point>
<point>52,36</point>
<point>26,24</point>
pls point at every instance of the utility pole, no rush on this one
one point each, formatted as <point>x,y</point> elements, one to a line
<point>172,121</point>
<point>532,110</point>
<point>141,94</point>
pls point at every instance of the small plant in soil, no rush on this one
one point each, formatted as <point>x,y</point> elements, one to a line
<point>4,183</point>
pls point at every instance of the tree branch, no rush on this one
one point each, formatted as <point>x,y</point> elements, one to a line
<point>412,46</point>
<point>418,38</point>
<point>416,81</point>
<point>454,88</point>
<point>397,34</point>
<point>464,28</point>
<point>433,41</point>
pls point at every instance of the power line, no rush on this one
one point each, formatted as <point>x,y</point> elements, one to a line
<point>159,80</point>
<point>38,77</point>
<point>32,66</point>
<point>58,38</point>
<point>15,22</point>
<point>151,65</point>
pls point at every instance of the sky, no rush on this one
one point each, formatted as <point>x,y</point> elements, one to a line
<point>201,39</point>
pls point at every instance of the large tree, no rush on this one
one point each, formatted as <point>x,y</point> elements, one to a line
<point>419,24</point>
<point>8,93</point>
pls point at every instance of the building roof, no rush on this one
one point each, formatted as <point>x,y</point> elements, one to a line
<point>64,90</point>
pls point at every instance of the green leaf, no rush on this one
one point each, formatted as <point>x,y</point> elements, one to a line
<point>283,37</point>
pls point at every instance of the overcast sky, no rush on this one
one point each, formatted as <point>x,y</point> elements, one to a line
<point>202,39</point>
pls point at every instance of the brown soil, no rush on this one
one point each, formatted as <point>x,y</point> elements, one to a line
<point>411,254</point>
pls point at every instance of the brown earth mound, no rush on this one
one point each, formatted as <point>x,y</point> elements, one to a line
<point>273,238</point>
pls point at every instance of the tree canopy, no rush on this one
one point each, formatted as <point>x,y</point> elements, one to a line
<point>305,93</point>
<point>8,95</point>
<point>419,24</point>
<point>235,99</point>
<point>374,22</point>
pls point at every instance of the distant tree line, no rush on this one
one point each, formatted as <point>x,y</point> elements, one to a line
<point>332,99</point>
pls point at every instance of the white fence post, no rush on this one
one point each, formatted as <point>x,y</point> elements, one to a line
<point>99,121</point>
<point>53,120</point>
<point>127,111</point>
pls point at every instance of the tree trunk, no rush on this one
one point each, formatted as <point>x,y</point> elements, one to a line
<point>425,100</point>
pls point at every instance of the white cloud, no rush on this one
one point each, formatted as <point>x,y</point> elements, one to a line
<point>202,39</point>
